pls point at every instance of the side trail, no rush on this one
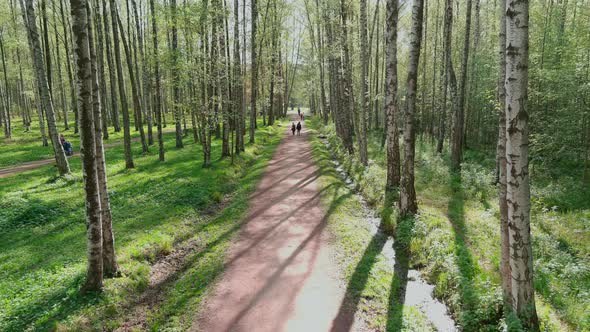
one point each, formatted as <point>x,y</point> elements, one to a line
<point>8,171</point>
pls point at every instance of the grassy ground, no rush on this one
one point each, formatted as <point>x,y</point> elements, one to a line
<point>156,207</point>
<point>27,146</point>
<point>455,238</point>
<point>370,279</point>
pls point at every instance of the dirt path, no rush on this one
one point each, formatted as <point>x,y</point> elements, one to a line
<point>4,172</point>
<point>280,273</point>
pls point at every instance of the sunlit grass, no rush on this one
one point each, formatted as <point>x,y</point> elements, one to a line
<point>456,236</point>
<point>155,206</point>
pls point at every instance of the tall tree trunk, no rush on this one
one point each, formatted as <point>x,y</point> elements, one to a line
<point>224,90</point>
<point>238,86</point>
<point>109,260</point>
<point>420,125</point>
<point>325,109</point>
<point>59,76</point>
<point>391,111</point>
<point>501,164</point>
<point>94,274</point>
<point>434,54</point>
<point>364,86</point>
<point>121,85</point>
<point>69,60</point>
<point>111,66</point>
<point>377,72</point>
<point>407,204</point>
<point>46,45</point>
<point>517,162</point>
<point>134,89</point>
<point>175,76</point>
<point>6,111</point>
<point>144,74</point>
<point>99,49</point>
<point>348,111</point>
<point>253,71</point>
<point>158,95</point>
<point>273,63</point>
<point>457,146</point>
<point>445,75</point>
<point>43,87</point>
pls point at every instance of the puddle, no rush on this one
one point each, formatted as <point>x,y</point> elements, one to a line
<point>419,293</point>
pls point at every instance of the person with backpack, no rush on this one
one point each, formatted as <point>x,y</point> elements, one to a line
<point>293,128</point>
<point>68,149</point>
<point>298,128</point>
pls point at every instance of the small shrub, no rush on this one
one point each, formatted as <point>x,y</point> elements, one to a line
<point>372,184</point>
<point>217,197</point>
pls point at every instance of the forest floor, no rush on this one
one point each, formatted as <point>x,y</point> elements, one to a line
<point>454,240</point>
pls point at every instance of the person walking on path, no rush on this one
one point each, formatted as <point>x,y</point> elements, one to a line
<point>298,128</point>
<point>293,128</point>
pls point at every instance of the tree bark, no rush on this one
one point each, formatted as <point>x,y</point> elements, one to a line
<point>111,66</point>
<point>175,76</point>
<point>407,204</point>
<point>238,86</point>
<point>6,112</point>
<point>253,71</point>
<point>59,75</point>
<point>99,61</point>
<point>43,87</point>
<point>69,60</point>
<point>94,274</point>
<point>109,260</point>
<point>391,111</point>
<point>144,74</point>
<point>364,86</point>
<point>158,95</point>
<point>347,112</point>
<point>46,46</point>
<point>121,85</point>
<point>517,162</point>
<point>134,89</point>
<point>457,146</point>
<point>501,164</point>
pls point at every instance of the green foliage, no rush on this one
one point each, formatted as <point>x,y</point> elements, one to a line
<point>455,242</point>
<point>361,253</point>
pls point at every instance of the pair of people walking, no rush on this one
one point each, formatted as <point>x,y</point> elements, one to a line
<point>296,128</point>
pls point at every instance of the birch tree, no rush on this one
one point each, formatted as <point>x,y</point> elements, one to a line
<point>457,135</point>
<point>407,204</point>
<point>109,261</point>
<point>121,85</point>
<point>363,116</point>
<point>158,95</point>
<point>175,76</point>
<point>517,162</point>
<point>80,23</point>
<point>254,70</point>
<point>501,162</point>
<point>43,87</point>
<point>393,157</point>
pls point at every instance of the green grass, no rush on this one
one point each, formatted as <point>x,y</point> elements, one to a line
<point>455,238</point>
<point>367,271</point>
<point>155,207</point>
